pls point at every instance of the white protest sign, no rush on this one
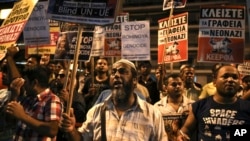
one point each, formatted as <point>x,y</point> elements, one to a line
<point>135,40</point>
<point>36,31</point>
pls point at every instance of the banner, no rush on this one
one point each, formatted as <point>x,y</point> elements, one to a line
<point>100,12</point>
<point>221,34</point>
<point>13,25</point>
<point>173,39</point>
<point>135,40</point>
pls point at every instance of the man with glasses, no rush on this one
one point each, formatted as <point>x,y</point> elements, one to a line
<point>122,116</point>
<point>174,106</point>
<point>61,86</point>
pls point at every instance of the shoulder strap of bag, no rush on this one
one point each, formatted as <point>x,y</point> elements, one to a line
<point>103,122</point>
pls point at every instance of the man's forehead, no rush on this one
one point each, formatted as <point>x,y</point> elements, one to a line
<point>228,69</point>
<point>120,65</point>
<point>188,69</point>
<point>174,79</point>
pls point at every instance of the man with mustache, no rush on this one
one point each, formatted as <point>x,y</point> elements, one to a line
<point>122,116</point>
<point>174,106</point>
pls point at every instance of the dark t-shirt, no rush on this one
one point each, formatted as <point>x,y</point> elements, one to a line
<point>214,119</point>
<point>100,86</point>
<point>151,85</point>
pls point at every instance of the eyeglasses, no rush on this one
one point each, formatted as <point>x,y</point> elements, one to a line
<point>61,75</point>
<point>120,70</point>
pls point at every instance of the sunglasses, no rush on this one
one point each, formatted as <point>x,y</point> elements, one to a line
<point>120,70</point>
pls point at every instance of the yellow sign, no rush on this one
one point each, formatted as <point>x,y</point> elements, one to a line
<point>13,25</point>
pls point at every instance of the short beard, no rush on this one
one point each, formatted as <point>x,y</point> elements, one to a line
<point>228,94</point>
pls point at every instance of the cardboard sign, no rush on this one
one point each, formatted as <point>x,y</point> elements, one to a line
<point>13,25</point>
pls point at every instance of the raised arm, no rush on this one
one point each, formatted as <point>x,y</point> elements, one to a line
<point>188,128</point>
<point>14,72</point>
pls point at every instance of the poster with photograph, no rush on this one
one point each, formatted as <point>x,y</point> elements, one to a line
<point>67,43</point>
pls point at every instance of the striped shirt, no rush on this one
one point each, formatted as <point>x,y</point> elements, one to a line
<point>142,122</point>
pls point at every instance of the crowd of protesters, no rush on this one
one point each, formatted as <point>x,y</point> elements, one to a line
<point>119,101</point>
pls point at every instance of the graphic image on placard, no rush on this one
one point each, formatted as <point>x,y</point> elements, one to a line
<point>220,46</point>
<point>114,44</point>
<point>173,49</point>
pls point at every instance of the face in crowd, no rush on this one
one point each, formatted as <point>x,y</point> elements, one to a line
<point>174,85</point>
<point>122,81</point>
<point>145,68</point>
<point>102,65</point>
<point>188,74</point>
<point>227,81</point>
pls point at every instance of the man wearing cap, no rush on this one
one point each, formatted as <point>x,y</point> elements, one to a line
<point>122,116</point>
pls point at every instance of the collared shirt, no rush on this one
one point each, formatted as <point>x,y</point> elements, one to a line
<point>142,122</point>
<point>166,109</point>
<point>173,119</point>
<point>46,107</point>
